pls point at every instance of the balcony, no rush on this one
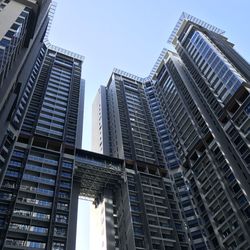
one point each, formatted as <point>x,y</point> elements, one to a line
<point>24,213</point>
<point>28,228</point>
<point>40,169</point>
<point>21,244</point>
<point>41,203</point>
<point>43,160</point>
<point>37,190</point>
<point>38,179</point>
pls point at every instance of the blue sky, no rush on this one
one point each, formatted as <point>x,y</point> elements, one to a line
<point>129,35</point>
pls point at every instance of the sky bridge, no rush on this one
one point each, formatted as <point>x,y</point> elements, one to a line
<point>96,172</point>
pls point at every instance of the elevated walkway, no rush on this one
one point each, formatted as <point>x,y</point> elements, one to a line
<point>96,172</point>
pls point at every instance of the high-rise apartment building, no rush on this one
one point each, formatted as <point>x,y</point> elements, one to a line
<point>41,115</point>
<point>100,139</point>
<point>42,172</point>
<point>148,194</point>
<point>212,80</point>
<point>184,134</point>
<point>174,173</point>
<point>38,183</point>
<point>23,26</point>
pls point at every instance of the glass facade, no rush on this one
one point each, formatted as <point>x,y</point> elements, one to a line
<point>135,122</point>
<point>12,42</point>
<point>53,112</point>
<point>20,61</point>
<point>198,101</point>
<point>171,157</point>
<point>222,76</point>
<point>181,135</point>
<point>38,183</point>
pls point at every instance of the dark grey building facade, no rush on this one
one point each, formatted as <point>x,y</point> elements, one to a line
<point>41,117</point>
<point>175,168</point>
<point>189,118</point>
<point>23,26</point>
<point>38,187</point>
<point>216,82</point>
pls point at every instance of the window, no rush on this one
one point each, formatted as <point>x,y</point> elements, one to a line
<point>139,242</point>
<point>138,230</point>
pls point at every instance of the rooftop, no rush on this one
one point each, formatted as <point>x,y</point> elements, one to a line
<point>152,72</point>
<point>175,33</point>
<point>187,17</point>
<point>54,47</point>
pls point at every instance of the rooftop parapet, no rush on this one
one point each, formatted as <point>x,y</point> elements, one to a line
<point>54,47</point>
<point>184,18</point>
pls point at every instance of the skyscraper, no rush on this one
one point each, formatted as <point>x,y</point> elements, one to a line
<point>100,140</point>
<point>41,124</point>
<point>217,88</point>
<point>189,118</point>
<point>38,181</point>
<point>42,173</point>
<point>174,168</point>
<point>23,26</point>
